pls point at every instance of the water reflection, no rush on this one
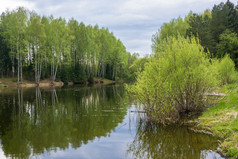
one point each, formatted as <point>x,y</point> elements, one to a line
<point>155,141</point>
<point>35,121</point>
<point>75,122</point>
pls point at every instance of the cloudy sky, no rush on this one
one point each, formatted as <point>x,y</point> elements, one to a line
<point>133,21</point>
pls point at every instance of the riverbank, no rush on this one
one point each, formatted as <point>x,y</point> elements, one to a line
<point>222,120</point>
<point>12,83</point>
<point>104,81</point>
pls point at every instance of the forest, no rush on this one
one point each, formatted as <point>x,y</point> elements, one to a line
<point>217,30</point>
<point>35,47</point>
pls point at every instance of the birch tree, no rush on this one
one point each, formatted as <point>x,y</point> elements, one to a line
<point>15,25</point>
<point>7,19</point>
<point>36,39</point>
<point>59,50</point>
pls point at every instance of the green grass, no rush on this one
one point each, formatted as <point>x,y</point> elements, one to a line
<point>222,120</point>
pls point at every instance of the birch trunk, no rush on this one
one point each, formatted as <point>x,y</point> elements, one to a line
<point>21,66</point>
<point>13,62</point>
<point>18,65</point>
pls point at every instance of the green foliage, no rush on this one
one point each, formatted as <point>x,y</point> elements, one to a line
<point>217,29</point>
<point>5,60</point>
<point>46,45</point>
<point>228,45</point>
<point>130,73</point>
<point>199,27</point>
<point>220,20</point>
<point>175,81</point>
<point>13,26</point>
<point>138,66</point>
<point>176,27</point>
<point>225,68</point>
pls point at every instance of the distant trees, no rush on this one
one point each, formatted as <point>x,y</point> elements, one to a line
<point>14,32</point>
<point>228,45</point>
<point>212,29</point>
<point>199,25</point>
<point>217,30</point>
<point>138,67</point>
<point>176,27</point>
<point>60,50</point>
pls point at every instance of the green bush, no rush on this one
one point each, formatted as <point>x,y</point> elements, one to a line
<point>226,70</point>
<point>175,81</point>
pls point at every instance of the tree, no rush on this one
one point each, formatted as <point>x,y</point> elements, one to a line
<point>176,27</point>
<point>5,60</point>
<point>199,27</point>
<point>219,21</point>
<point>47,45</point>
<point>228,45</point>
<point>37,36</point>
<point>7,32</point>
<point>15,30</point>
<point>59,44</point>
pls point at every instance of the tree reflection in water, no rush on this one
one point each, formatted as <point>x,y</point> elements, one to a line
<point>156,141</point>
<point>58,119</point>
<point>37,122</point>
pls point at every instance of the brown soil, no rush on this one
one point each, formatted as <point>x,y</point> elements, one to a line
<point>10,82</point>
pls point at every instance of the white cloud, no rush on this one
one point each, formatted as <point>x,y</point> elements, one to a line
<point>13,4</point>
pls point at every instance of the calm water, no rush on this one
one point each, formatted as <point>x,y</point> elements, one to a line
<point>89,122</point>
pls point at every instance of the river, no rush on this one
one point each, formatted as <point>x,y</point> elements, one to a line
<point>90,123</point>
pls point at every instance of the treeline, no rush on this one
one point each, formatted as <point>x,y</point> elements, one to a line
<point>217,30</point>
<point>39,47</point>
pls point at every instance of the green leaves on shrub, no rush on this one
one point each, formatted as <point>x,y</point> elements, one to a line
<point>225,70</point>
<point>175,80</point>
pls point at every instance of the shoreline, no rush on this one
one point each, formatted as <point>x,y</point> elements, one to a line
<point>221,121</point>
<point>11,83</point>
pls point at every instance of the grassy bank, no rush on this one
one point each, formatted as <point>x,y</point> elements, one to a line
<point>222,121</point>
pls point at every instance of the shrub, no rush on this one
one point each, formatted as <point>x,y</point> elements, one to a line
<point>175,81</point>
<point>226,70</point>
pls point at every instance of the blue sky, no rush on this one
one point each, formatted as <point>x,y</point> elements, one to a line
<point>132,21</point>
